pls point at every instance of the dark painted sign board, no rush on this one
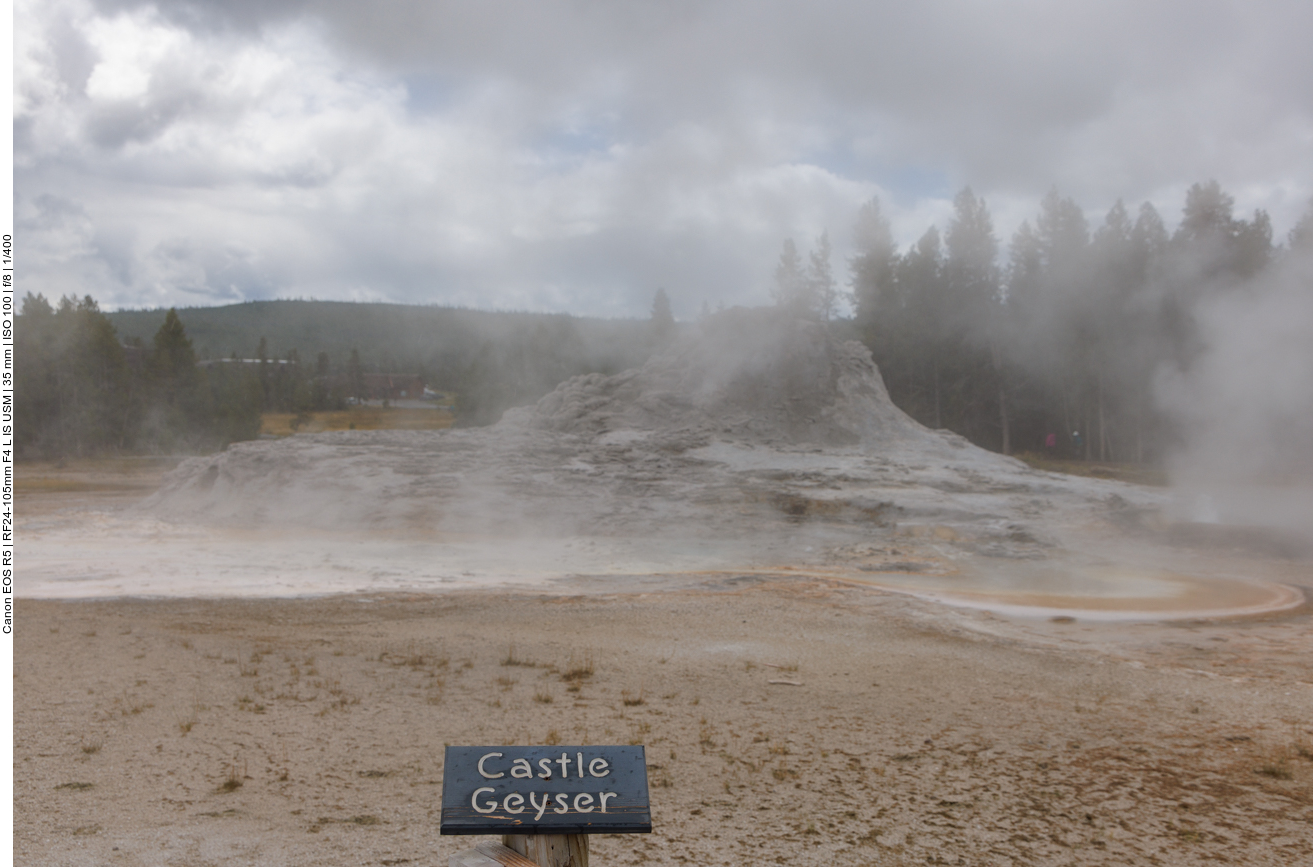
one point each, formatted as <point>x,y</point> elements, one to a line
<point>545,790</point>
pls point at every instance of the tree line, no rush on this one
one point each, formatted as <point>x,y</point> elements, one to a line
<point>79,391</point>
<point>1054,347</point>
<point>83,388</point>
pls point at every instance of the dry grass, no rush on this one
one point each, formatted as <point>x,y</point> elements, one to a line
<point>578,668</point>
<point>233,778</point>
<point>511,658</point>
<point>356,418</point>
<point>105,475</point>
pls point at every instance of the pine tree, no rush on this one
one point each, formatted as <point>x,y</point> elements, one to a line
<point>1213,248</point>
<point>790,291</point>
<point>916,328</point>
<point>174,360</point>
<point>821,294</point>
<point>874,267</point>
<point>971,356</point>
<point>73,388</point>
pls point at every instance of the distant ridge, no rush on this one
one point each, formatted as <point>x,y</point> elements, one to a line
<point>493,360</point>
<point>382,332</point>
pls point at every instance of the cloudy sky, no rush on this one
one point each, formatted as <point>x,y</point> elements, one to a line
<point>575,155</point>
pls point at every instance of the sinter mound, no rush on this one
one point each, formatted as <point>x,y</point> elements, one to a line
<point>752,375</point>
<point>754,420</point>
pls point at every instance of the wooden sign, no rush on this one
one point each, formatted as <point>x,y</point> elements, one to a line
<point>545,790</point>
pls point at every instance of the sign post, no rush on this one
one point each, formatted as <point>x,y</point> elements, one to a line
<point>543,801</point>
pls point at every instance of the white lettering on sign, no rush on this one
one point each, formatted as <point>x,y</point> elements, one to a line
<point>514,802</point>
<point>522,770</point>
<point>474,800</point>
<point>484,773</point>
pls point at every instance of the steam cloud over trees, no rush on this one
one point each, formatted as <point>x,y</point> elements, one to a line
<point>1070,343</point>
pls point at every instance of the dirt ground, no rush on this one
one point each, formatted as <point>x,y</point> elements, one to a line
<point>788,720</point>
<point>192,732</point>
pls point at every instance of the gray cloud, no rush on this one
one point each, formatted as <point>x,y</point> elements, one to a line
<point>563,154</point>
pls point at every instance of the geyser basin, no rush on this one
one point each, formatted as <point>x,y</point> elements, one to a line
<point>761,446</point>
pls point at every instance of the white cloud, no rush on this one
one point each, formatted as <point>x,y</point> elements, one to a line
<point>560,154</point>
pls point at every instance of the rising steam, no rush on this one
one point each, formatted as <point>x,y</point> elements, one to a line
<point>1246,404</point>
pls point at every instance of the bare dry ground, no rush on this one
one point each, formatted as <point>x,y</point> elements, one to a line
<point>193,732</point>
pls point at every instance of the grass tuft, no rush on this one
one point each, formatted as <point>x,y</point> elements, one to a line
<point>512,658</point>
<point>233,778</point>
<point>577,669</point>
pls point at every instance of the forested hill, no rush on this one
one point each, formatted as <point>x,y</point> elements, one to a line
<point>493,360</point>
<point>390,337</point>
